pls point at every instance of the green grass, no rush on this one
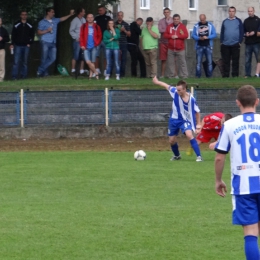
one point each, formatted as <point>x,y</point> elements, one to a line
<point>69,83</point>
<point>105,205</point>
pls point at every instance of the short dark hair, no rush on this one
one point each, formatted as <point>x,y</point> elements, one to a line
<point>166,9</point>
<point>101,6</point>
<point>232,7</point>
<point>23,11</point>
<point>227,117</point>
<point>79,10</point>
<point>48,9</point>
<point>247,96</point>
<point>176,15</point>
<point>140,19</point>
<point>183,84</point>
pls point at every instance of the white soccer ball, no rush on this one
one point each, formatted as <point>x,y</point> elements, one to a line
<point>140,155</point>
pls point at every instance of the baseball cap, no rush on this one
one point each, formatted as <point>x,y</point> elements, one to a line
<point>149,19</point>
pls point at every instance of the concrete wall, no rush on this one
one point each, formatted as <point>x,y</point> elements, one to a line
<point>84,132</point>
<point>214,13</point>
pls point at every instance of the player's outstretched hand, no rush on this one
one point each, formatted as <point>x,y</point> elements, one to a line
<point>221,188</point>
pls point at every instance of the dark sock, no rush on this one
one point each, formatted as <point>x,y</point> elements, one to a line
<point>175,149</point>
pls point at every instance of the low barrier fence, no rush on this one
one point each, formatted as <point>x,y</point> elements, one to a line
<point>103,106</point>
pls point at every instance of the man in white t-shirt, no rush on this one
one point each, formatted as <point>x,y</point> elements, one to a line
<point>241,136</point>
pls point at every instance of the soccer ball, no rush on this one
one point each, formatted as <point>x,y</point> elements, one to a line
<point>140,155</point>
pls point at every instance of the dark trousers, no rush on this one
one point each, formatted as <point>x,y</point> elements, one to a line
<point>136,55</point>
<point>123,50</point>
<point>230,53</point>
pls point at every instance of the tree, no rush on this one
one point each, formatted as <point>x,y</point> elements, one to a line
<point>10,10</point>
<point>64,41</point>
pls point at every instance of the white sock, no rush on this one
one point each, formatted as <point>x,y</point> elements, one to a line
<point>73,70</point>
<point>82,71</point>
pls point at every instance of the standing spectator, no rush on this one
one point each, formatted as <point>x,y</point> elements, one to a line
<point>176,33</point>
<point>231,37</point>
<point>241,136</point>
<point>74,31</point>
<point>185,116</point>
<point>22,38</point>
<point>251,25</point>
<point>163,42</point>
<point>150,36</point>
<point>110,38</point>
<point>90,38</point>
<point>4,37</point>
<point>203,33</point>
<point>102,20</point>
<point>257,70</point>
<point>134,50</point>
<point>124,32</point>
<point>47,29</point>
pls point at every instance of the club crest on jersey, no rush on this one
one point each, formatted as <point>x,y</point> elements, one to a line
<point>248,118</point>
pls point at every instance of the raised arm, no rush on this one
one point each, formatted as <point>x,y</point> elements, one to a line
<point>64,18</point>
<point>160,83</point>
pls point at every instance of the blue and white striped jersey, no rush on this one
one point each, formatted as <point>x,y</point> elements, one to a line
<point>182,110</point>
<point>241,135</point>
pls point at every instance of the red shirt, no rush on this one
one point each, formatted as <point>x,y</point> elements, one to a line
<point>213,121</point>
<point>182,33</point>
<point>84,35</point>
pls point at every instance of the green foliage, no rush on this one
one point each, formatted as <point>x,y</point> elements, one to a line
<point>105,205</point>
<point>10,10</point>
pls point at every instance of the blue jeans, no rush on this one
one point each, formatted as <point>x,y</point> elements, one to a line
<point>123,49</point>
<point>21,53</point>
<point>249,50</point>
<point>76,49</point>
<point>110,56</point>
<point>90,54</point>
<point>100,47</point>
<point>207,51</point>
<point>48,56</point>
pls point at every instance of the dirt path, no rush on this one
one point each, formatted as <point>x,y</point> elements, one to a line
<point>92,144</point>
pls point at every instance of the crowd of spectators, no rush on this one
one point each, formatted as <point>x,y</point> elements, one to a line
<point>101,36</point>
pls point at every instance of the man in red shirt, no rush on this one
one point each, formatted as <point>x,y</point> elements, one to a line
<point>210,126</point>
<point>90,38</point>
<point>176,33</point>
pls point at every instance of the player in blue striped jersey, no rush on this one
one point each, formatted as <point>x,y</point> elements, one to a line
<point>184,116</point>
<point>241,136</point>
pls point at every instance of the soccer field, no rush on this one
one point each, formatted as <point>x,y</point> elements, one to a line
<point>105,205</point>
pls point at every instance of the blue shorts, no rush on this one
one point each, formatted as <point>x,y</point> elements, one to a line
<point>76,49</point>
<point>100,47</point>
<point>90,54</point>
<point>174,126</point>
<point>246,209</point>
